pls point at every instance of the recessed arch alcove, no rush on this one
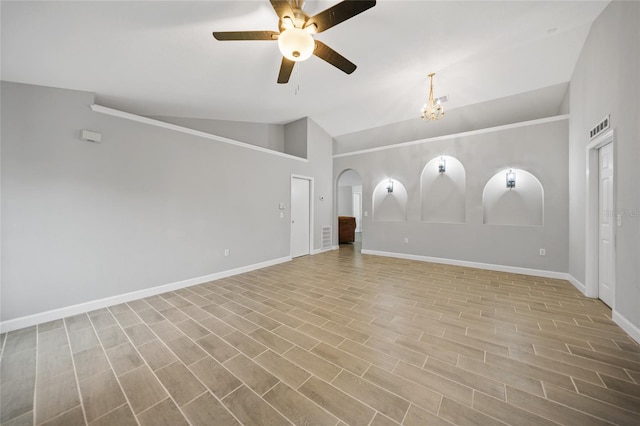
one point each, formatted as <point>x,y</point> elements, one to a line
<point>521,205</point>
<point>390,206</point>
<point>443,195</point>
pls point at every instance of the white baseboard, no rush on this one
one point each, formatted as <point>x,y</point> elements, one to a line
<point>54,314</point>
<point>487,266</point>
<point>318,251</point>
<point>577,284</point>
<point>631,329</point>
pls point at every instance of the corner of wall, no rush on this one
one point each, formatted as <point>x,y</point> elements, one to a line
<point>631,329</point>
<point>564,107</point>
<point>577,284</point>
<point>296,138</point>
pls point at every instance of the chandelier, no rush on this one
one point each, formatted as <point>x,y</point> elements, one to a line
<point>433,109</point>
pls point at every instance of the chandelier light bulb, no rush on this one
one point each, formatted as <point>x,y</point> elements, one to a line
<point>432,110</point>
<point>296,44</point>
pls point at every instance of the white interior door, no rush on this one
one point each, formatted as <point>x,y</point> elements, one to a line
<point>300,216</point>
<point>357,209</point>
<point>607,222</point>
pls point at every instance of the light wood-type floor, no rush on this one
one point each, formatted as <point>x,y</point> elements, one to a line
<point>333,339</point>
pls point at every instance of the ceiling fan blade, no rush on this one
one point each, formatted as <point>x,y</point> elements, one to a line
<point>282,8</point>
<point>326,53</point>
<point>285,70</point>
<point>339,13</point>
<point>245,35</point>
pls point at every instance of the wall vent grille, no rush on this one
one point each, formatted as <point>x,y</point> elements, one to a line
<point>326,238</point>
<point>601,127</point>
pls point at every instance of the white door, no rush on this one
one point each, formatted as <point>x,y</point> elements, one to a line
<point>357,209</point>
<point>607,222</point>
<point>300,217</point>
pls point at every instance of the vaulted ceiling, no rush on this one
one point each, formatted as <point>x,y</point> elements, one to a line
<point>160,59</point>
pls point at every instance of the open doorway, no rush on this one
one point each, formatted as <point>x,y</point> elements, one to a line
<point>349,208</point>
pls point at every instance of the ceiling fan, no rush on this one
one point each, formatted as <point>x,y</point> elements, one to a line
<point>295,38</point>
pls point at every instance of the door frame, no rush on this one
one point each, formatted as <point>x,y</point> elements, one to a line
<point>311,216</point>
<point>358,218</point>
<point>593,214</point>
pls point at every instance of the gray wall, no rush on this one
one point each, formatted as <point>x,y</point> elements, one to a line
<point>605,81</point>
<point>345,201</point>
<point>541,103</point>
<point>295,138</point>
<point>320,167</point>
<point>148,206</point>
<point>266,135</point>
<point>539,149</point>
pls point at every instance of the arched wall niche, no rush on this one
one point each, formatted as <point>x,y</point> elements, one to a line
<point>443,195</point>
<point>521,205</point>
<point>390,206</point>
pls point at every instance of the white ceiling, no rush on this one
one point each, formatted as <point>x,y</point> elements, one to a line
<point>159,58</point>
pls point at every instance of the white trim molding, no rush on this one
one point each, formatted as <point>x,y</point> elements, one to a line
<point>478,265</point>
<point>458,135</point>
<point>311,211</point>
<point>626,325</point>
<point>54,314</point>
<point>592,231</point>
<point>157,123</point>
<point>577,284</point>
<point>318,251</point>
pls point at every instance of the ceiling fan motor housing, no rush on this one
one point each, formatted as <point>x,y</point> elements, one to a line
<point>296,44</point>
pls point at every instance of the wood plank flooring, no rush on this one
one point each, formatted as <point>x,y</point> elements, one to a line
<point>337,338</point>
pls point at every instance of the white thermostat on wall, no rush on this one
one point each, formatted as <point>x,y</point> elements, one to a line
<point>89,136</point>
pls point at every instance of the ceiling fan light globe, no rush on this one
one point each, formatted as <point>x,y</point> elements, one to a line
<point>296,44</point>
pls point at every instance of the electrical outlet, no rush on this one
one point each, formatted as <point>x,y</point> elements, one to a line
<point>543,252</point>
<point>406,240</point>
<point>226,252</point>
